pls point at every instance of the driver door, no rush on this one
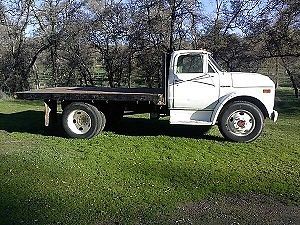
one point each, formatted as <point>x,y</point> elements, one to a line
<point>193,87</point>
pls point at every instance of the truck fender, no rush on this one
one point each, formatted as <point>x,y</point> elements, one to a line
<point>220,106</point>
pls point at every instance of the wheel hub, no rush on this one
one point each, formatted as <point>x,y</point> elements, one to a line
<point>79,122</point>
<point>241,123</point>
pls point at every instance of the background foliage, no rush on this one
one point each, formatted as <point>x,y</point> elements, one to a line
<point>120,43</point>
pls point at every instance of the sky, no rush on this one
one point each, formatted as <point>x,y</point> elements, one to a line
<point>209,5</point>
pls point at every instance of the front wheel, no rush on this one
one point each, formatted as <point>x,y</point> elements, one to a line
<point>241,122</point>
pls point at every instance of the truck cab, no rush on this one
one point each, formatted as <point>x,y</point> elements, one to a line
<point>201,93</point>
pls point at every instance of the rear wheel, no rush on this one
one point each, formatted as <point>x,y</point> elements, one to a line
<point>82,120</point>
<point>241,122</point>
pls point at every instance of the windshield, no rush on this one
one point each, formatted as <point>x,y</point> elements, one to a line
<point>216,64</point>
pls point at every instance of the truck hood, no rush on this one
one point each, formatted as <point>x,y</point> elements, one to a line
<point>241,80</point>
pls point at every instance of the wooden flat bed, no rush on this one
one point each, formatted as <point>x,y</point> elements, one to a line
<point>155,96</point>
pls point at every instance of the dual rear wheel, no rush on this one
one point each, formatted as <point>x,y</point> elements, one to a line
<point>82,120</point>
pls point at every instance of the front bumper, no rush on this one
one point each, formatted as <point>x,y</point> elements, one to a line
<point>274,116</point>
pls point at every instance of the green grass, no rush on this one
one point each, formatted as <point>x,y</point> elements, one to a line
<point>140,173</point>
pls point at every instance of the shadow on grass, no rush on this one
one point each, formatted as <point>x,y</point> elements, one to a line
<point>22,209</point>
<point>286,103</point>
<point>29,122</point>
<point>21,206</point>
<point>33,122</point>
<point>146,127</point>
<point>288,107</point>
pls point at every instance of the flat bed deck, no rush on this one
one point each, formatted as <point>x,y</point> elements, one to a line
<point>96,93</point>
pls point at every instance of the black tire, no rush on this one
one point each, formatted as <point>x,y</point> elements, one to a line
<point>241,122</point>
<point>102,119</point>
<point>82,120</point>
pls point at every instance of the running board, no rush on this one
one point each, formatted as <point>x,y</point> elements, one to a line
<point>190,117</point>
<point>199,123</point>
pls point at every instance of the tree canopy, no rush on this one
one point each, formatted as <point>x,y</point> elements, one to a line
<point>120,43</point>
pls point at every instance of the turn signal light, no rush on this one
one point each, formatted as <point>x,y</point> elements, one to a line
<point>267,91</point>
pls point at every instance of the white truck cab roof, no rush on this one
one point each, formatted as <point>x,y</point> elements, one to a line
<point>192,51</point>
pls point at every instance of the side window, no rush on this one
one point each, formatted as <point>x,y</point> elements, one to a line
<point>190,64</point>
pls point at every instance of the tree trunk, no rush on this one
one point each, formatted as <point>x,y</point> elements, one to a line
<point>294,84</point>
<point>53,52</point>
<point>292,78</point>
<point>172,26</point>
<point>129,72</point>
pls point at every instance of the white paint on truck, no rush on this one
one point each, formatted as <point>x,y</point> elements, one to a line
<point>198,89</point>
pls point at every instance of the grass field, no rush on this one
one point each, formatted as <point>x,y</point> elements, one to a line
<point>146,172</point>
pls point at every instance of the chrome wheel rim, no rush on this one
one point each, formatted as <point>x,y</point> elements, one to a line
<point>79,122</point>
<point>241,123</point>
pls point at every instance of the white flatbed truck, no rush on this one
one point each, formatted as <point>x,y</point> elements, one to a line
<point>195,92</point>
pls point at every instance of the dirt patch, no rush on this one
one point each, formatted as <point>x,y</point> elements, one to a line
<point>250,209</point>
